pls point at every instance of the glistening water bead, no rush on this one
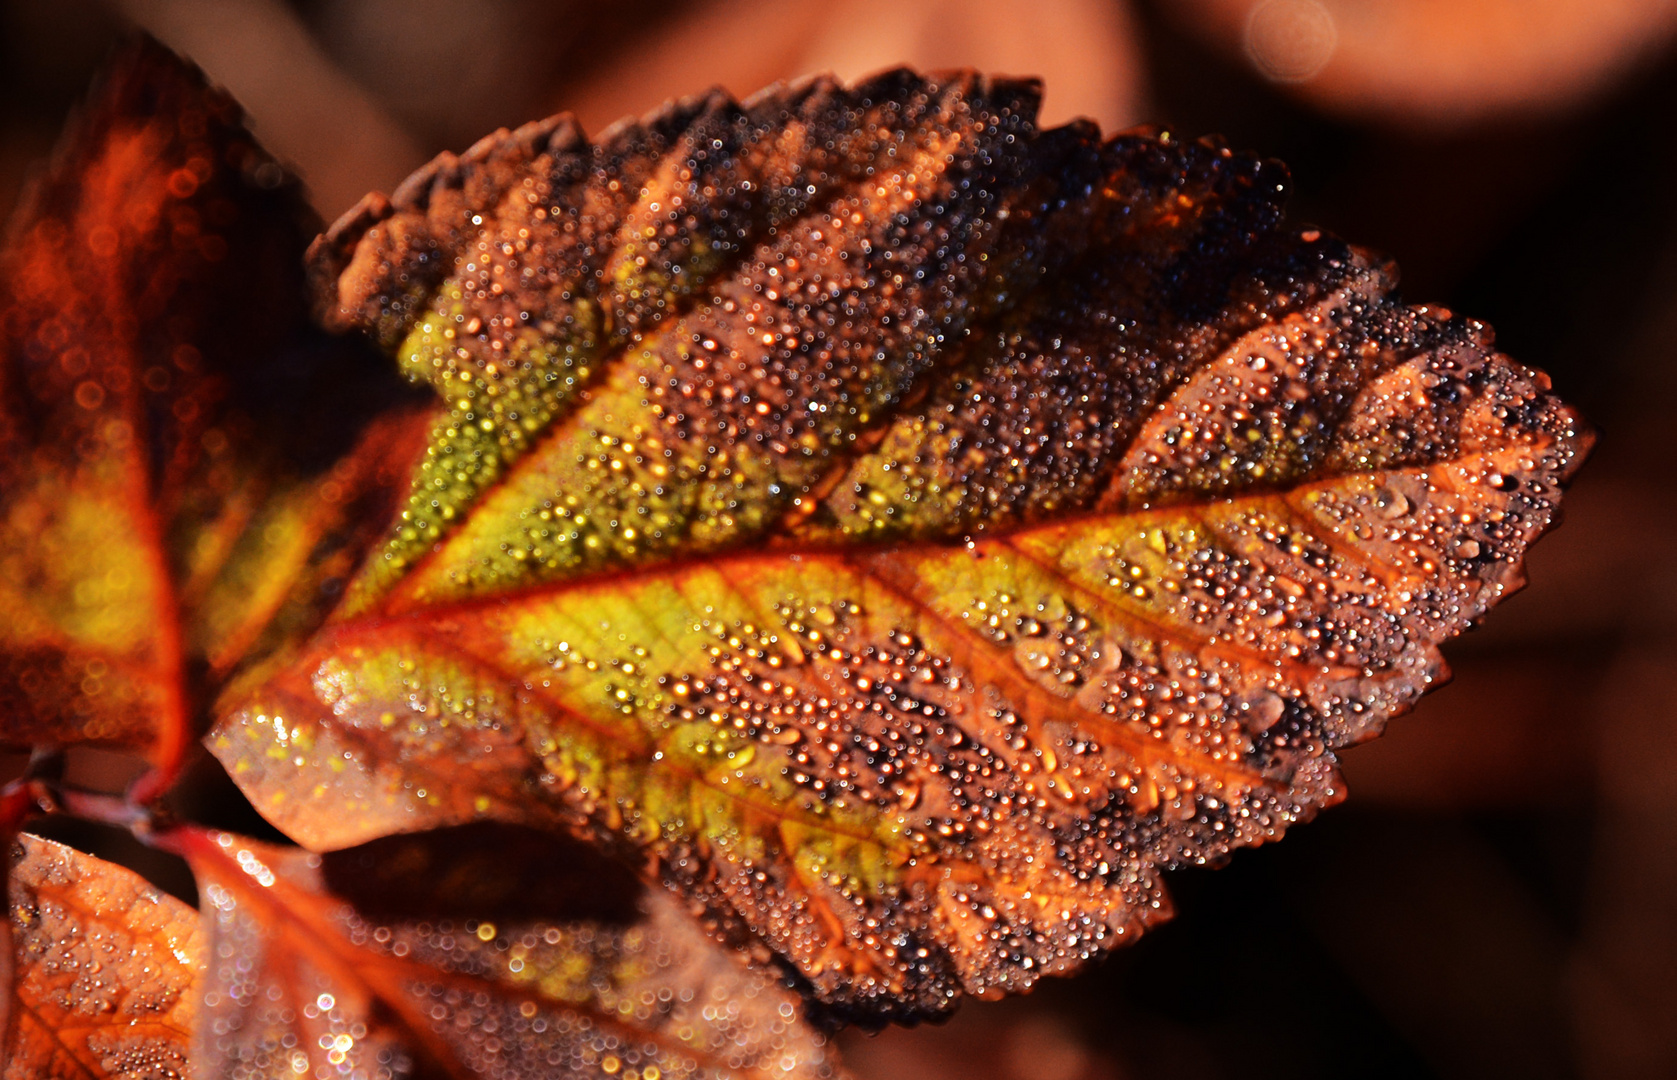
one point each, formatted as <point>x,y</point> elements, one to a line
<point>910,529</point>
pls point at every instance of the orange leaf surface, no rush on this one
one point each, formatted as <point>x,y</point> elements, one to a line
<point>910,529</point>
<point>169,503</point>
<point>106,970</point>
<point>485,952</point>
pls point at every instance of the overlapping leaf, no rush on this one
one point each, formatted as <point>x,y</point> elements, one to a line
<point>170,502</point>
<point>485,952</point>
<point>912,529</point>
<point>106,970</point>
<point>192,476</point>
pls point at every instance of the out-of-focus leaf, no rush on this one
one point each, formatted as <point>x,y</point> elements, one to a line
<point>482,951</point>
<point>911,528</point>
<point>106,970</point>
<point>310,113</point>
<point>169,504</point>
<point>1440,62</point>
<point>1091,47</point>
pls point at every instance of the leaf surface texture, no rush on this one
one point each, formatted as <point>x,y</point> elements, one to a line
<point>106,970</point>
<point>909,529</point>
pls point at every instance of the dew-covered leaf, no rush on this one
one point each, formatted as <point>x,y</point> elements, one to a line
<point>178,489</point>
<point>910,529</point>
<point>106,970</point>
<point>485,952</point>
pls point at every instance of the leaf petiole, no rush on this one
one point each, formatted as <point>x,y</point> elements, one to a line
<point>30,796</point>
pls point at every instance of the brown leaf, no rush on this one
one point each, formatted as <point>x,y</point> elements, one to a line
<point>106,970</point>
<point>169,503</point>
<point>912,529</point>
<point>482,951</point>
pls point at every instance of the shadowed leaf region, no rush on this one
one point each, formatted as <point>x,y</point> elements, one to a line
<point>482,952</point>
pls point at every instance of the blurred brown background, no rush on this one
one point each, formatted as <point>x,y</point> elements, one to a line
<point>1499,895</point>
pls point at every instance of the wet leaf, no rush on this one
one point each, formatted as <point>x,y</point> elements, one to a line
<point>484,952</point>
<point>178,492</point>
<point>106,970</point>
<point>910,529</point>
